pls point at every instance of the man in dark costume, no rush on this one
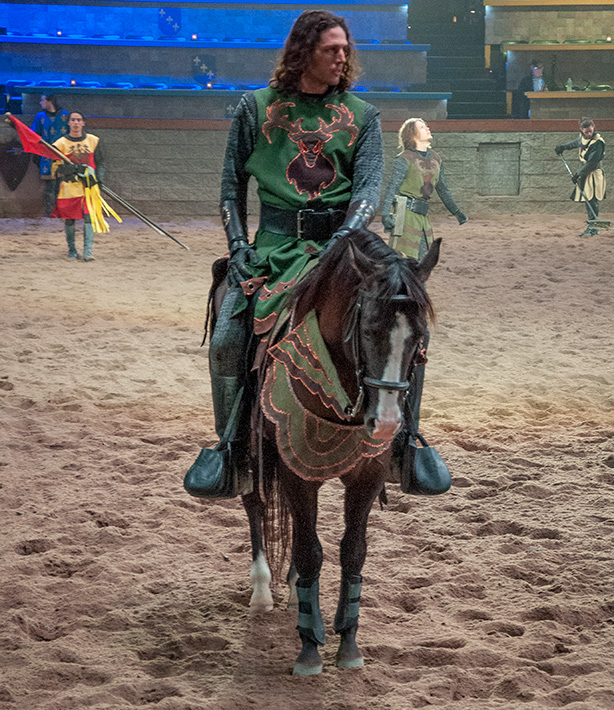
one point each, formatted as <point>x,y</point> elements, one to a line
<point>315,151</point>
<point>521,105</point>
<point>590,179</point>
<point>51,124</point>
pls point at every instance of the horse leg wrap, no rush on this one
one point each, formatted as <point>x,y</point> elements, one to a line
<point>310,623</point>
<point>349,603</point>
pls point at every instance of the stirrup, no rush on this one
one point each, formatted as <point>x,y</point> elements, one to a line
<point>215,473</point>
<point>424,471</point>
<point>222,472</point>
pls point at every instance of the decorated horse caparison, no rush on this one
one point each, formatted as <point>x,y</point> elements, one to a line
<point>330,402</point>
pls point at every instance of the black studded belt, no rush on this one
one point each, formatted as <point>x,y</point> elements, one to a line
<point>315,225</point>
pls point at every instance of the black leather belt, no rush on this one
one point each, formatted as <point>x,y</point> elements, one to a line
<point>316,225</point>
<point>414,204</point>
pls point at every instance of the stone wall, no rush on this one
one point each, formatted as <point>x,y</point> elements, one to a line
<point>506,24</point>
<point>175,174</point>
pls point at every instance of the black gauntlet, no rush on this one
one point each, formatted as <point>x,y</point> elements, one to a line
<point>68,172</point>
<point>359,215</point>
<point>241,253</point>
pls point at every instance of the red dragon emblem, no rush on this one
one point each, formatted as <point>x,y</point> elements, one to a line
<point>311,171</point>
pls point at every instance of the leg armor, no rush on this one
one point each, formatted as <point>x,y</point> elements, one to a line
<point>228,359</point>
<point>88,238</point>
<point>69,231</point>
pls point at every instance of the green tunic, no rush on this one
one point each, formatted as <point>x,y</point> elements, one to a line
<point>417,174</point>
<point>314,143</point>
<point>305,152</point>
<point>421,180</point>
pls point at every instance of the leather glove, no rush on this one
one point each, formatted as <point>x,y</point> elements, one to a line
<point>388,222</point>
<point>359,215</point>
<point>333,239</point>
<point>242,256</point>
<point>559,150</point>
<point>575,177</point>
<point>67,171</point>
<point>461,217</point>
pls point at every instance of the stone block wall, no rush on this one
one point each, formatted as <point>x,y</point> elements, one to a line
<point>506,24</point>
<point>175,174</point>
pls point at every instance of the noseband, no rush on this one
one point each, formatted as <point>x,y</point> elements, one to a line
<point>352,341</point>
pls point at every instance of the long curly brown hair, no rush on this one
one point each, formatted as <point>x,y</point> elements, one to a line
<point>300,45</point>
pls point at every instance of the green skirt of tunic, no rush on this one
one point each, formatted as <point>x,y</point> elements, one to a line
<point>283,261</point>
<point>416,228</point>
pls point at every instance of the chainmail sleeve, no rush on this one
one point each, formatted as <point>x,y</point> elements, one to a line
<point>240,145</point>
<point>366,176</point>
<point>572,144</point>
<point>368,161</point>
<point>99,161</point>
<point>399,172</point>
<point>444,193</point>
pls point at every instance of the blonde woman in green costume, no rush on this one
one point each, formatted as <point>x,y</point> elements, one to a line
<point>417,172</point>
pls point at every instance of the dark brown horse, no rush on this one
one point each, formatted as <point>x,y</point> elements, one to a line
<point>371,308</point>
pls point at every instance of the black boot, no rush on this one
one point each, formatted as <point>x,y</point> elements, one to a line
<point>223,471</point>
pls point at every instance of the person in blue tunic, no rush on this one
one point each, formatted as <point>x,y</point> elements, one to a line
<point>51,124</point>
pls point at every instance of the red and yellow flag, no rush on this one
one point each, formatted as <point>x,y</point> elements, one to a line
<point>31,142</point>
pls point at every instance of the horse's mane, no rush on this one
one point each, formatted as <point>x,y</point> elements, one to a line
<point>392,273</point>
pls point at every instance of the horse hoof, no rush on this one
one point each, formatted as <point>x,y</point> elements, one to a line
<point>261,600</point>
<point>261,607</point>
<point>302,669</point>
<point>350,662</point>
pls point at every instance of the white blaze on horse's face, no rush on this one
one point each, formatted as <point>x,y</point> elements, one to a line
<point>389,416</point>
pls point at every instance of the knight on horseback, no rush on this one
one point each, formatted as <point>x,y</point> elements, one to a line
<point>315,151</point>
<point>330,389</point>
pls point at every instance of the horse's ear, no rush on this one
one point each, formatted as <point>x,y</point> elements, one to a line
<point>429,262</point>
<point>360,263</point>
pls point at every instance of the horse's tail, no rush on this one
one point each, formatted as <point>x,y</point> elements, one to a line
<point>276,528</point>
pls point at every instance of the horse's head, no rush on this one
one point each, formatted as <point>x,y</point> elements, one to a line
<point>386,332</point>
<point>372,310</point>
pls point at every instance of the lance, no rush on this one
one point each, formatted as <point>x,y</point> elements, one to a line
<point>10,119</point>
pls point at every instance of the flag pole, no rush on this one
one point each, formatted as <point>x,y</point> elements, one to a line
<point>11,119</point>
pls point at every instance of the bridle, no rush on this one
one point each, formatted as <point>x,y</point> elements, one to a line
<point>352,342</point>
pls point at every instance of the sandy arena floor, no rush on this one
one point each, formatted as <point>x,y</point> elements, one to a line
<point>118,591</point>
